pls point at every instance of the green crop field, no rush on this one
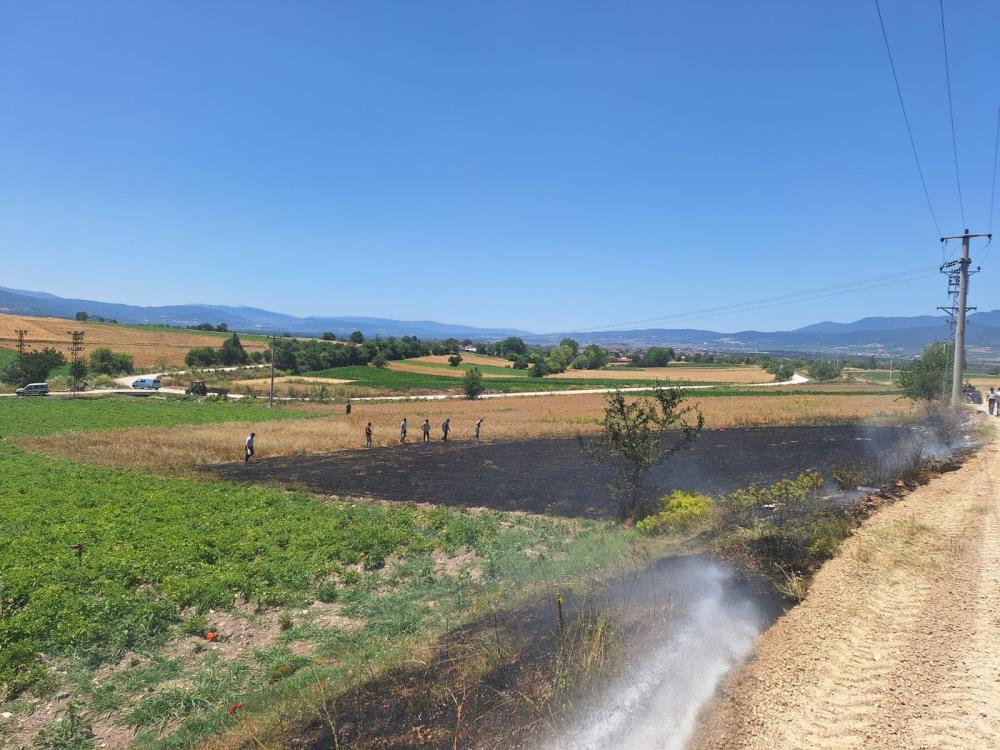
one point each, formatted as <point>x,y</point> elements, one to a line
<point>166,559</point>
<point>53,415</point>
<point>399,380</point>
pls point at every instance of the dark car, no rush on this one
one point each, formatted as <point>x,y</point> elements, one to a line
<point>971,394</point>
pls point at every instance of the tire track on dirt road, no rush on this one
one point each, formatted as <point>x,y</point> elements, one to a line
<point>897,644</point>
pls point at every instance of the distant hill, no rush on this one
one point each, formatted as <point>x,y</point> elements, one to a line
<point>249,319</point>
<point>874,335</point>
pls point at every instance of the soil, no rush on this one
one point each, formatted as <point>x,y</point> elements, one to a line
<point>895,645</point>
<point>554,476</point>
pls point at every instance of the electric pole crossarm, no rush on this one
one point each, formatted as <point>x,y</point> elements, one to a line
<point>960,269</point>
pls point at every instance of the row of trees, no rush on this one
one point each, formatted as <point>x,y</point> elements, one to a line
<point>36,366</point>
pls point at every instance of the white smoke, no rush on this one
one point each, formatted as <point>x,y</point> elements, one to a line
<point>676,672</point>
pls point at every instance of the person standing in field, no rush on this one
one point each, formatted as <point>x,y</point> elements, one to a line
<point>427,430</point>
<point>991,400</point>
<point>368,435</point>
<point>248,451</point>
<point>445,429</point>
<point>479,423</point>
<point>402,431</point>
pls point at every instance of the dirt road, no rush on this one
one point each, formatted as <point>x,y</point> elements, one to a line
<point>897,644</point>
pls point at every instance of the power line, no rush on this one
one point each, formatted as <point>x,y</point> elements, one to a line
<point>784,299</point>
<point>993,192</point>
<point>906,119</point>
<point>951,114</point>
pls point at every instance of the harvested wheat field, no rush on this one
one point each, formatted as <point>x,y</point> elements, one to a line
<point>149,348</point>
<point>468,358</point>
<point>895,646</point>
<point>740,375</point>
<point>504,419</point>
<point>446,372</point>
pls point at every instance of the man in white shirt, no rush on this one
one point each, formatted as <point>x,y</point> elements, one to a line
<point>249,451</point>
<point>402,431</point>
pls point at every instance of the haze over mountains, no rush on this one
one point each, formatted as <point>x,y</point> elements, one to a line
<point>875,335</point>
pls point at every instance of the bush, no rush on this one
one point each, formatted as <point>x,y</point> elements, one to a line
<point>824,371</point>
<point>472,383</point>
<point>202,356</point>
<point>677,512</point>
<point>32,367</point>
<point>232,352</point>
<point>103,361</point>
<point>196,626</point>
<point>327,592</point>
<point>926,378</point>
<point>380,361</point>
<point>455,360</point>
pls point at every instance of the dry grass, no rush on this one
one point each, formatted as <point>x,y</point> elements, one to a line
<point>509,418</point>
<point>149,348</point>
<point>468,358</point>
<point>741,375</point>
<point>449,372</point>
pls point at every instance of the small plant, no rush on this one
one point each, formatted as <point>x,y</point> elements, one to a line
<point>196,626</point>
<point>71,731</point>
<point>677,512</point>
<point>285,622</point>
<point>327,592</point>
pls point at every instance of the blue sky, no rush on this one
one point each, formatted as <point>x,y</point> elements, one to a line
<point>540,165</point>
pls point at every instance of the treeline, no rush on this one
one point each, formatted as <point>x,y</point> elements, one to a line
<point>36,366</point>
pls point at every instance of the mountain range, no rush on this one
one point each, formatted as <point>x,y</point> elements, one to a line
<point>875,335</point>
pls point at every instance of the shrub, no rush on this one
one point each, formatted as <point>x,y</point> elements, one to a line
<point>472,383</point>
<point>327,592</point>
<point>196,625</point>
<point>32,367</point>
<point>103,361</point>
<point>380,361</point>
<point>677,512</point>
<point>455,360</point>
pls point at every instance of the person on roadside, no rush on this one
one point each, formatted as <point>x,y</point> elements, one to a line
<point>991,400</point>
<point>445,429</point>
<point>368,435</point>
<point>427,430</point>
<point>248,450</point>
<point>348,407</point>
<point>479,423</point>
<point>402,431</point>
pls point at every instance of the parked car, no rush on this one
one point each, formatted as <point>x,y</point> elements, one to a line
<point>33,389</point>
<point>147,383</point>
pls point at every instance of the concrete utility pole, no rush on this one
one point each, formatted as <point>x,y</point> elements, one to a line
<point>270,397</point>
<point>963,295</point>
<point>21,333</point>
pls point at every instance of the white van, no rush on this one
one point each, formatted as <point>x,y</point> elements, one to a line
<point>33,389</point>
<point>147,383</point>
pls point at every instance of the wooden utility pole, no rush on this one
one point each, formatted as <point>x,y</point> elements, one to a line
<point>960,309</point>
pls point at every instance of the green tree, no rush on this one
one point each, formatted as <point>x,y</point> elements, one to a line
<point>782,371</point>
<point>357,337</point>
<point>329,336</point>
<point>82,317</point>
<point>472,383</point>
<point>202,356</point>
<point>635,440</point>
<point>926,377</point>
<point>455,360</point>
<point>513,347</point>
<point>822,370</point>
<point>32,367</point>
<point>380,361</point>
<point>537,370</point>
<point>232,352</point>
<point>571,345</point>
<point>78,370</point>
<point>103,361</point>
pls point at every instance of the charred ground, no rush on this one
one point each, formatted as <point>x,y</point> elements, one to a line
<point>554,475</point>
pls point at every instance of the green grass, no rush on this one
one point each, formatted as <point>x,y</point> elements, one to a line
<point>160,554</point>
<point>54,415</point>
<point>508,372</point>
<point>398,380</point>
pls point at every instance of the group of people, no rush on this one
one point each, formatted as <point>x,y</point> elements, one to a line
<point>993,401</point>
<point>425,430</point>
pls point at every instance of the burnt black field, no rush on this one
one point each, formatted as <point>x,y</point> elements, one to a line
<point>554,476</point>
